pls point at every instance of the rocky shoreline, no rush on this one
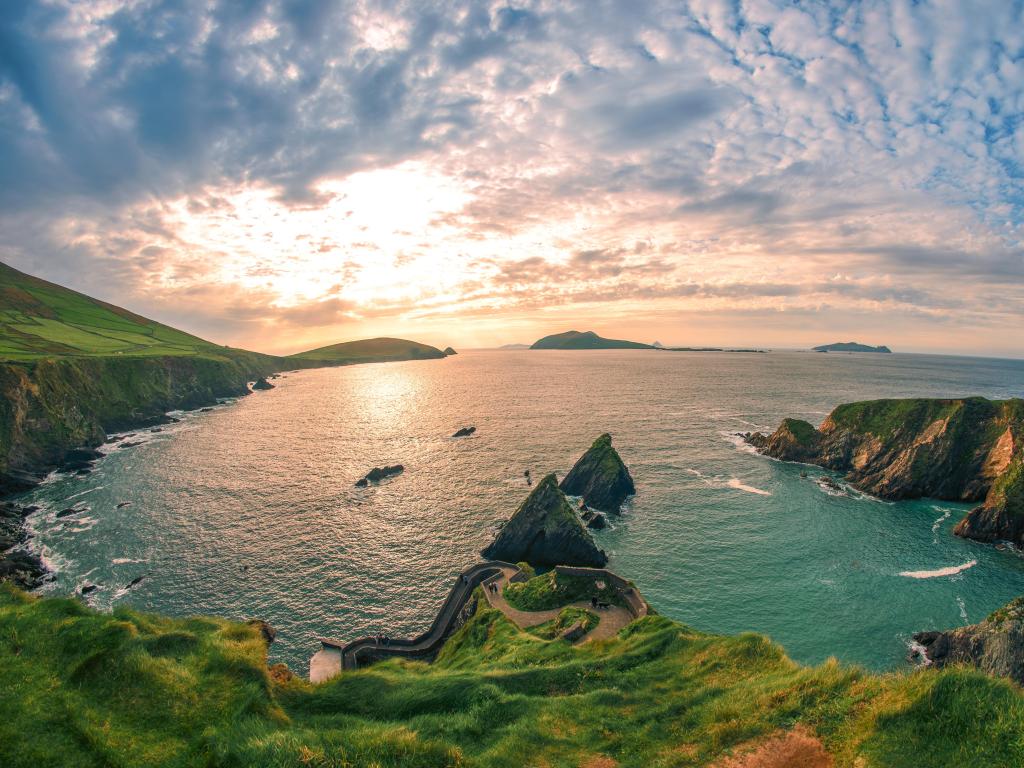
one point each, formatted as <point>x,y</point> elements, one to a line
<point>967,450</point>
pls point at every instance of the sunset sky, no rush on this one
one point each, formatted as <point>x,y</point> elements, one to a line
<point>281,175</point>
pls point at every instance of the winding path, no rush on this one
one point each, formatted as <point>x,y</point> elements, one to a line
<point>335,656</point>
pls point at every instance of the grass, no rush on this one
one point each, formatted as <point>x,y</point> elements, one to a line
<point>129,689</point>
<point>553,590</point>
<point>804,433</point>
<point>41,319</point>
<point>550,630</point>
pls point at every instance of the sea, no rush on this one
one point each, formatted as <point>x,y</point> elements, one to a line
<point>250,510</point>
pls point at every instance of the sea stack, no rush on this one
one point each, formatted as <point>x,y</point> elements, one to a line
<point>995,645</point>
<point>262,384</point>
<point>600,477</point>
<point>448,352</point>
<point>546,531</point>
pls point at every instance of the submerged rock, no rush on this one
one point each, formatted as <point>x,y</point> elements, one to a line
<point>995,645</point>
<point>966,449</point>
<point>600,477</point>
<point>465,432</point>
<point>546,531</point>
<point>377,474</point>
<point>261,384</point>
<point>87,588</point>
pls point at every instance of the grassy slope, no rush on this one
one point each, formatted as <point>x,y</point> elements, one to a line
<point>41,319</point>
<point>585,340</point>
<point>371,350</point>
<point>84,689</point>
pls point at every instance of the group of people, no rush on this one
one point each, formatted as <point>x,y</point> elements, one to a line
<point>595,603</point>
<point>382,640</point>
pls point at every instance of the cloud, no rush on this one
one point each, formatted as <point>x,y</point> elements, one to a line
<point>722,155</point>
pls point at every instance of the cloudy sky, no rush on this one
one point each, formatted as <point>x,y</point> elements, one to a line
<point>278,175</point>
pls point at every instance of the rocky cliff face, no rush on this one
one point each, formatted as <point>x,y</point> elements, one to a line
<point>545,531</point>
<point>969,449</point>
<point>996,645</point>
<point>600,477</point>
<point>51,406</point>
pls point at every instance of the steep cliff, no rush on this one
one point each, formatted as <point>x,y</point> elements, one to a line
<point>50,406</point>
<point>600,477</point>
<point>995,645</point>
<point>545,531</point>
<point>967,449</point>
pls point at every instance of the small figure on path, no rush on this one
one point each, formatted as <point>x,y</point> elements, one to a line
<point>529,480</point>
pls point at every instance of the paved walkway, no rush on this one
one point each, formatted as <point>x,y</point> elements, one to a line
<point>335,656</point>
<point>613,618</point>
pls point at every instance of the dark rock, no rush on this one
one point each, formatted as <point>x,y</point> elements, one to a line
<point>22,568</point>
<point>157,429</point>
<point>123,504</point>
<point>267,631</point>
<point>448,351</point>
<point>84,472</point>
<point>70,511</point>
<point>545,531</point>
<point>87,588</point>
<point>600,477</point>
<point>134,581</point>
<point>597,521</point>
<point>131,443</point>
<point>377,474</point>
<point>995,645</point>
<point>262,384</point>
<point>205,410</point>
<point>465,432</point>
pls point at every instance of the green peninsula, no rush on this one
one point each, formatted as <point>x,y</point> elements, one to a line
<point>585,340</point>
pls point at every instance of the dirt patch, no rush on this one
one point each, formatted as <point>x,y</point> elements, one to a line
<point>599,761</point>
<point>798,748</point>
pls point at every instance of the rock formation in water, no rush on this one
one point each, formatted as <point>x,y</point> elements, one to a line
<point>546,531</point>
<point>377,474</point>
<point>448,352</point>
<point>968,449</point>
<point>996,645</point>
<point>851,346</point>
<point>465,432</point>
<point>584,340</point>
<point>17,565</point>
<point>600,477</point>
<point>262,384</point>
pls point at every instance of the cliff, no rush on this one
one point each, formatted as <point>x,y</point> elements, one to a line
<point>50,406</point>
<point>545,531</point>
<point>995,645</point>
<point>87,688</point>
<point>966,449</point>
<point>600,477</point>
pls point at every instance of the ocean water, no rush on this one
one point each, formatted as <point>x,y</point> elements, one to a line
<point>250,510</point>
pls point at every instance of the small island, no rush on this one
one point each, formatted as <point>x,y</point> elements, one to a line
<point>851,346</point>
<point>585,340</point>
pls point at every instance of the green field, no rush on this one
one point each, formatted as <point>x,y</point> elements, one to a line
<point>40,319</point>
<point>83,688</point>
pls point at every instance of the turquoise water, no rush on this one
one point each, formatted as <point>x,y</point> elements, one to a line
<point>250,510</point>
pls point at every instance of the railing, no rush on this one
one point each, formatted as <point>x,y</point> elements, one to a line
<point>426,644</point>
<point>635,604</point>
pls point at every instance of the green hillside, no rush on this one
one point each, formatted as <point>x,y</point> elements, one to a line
<point>83,688</point>
<point>585,340</point>
<point>39,319</point>
<point>371,351</point>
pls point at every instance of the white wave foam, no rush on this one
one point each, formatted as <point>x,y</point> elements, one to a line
<point>953,570</point>
<point>941,520</point>
<point>739,442</point>
<point>740,486</point>
<point>123,560</point>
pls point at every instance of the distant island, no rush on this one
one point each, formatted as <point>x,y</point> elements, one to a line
<point>585,340</point>
<point>851,346</point>
<point>514,346</point>
<point>377,350</point>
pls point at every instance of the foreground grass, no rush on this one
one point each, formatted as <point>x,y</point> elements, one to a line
<point>553,590</point>
<point>87,689</point>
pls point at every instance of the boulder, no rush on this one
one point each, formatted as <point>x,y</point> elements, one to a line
<point>377,474</point>
<point>546,531</point>
<point>995,645</point>
<point>261,384</point>
<point>600,477</point>
<point>267,631</point>
<point>465,432</point>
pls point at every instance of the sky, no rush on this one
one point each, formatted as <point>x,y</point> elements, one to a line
<point>282,175</point>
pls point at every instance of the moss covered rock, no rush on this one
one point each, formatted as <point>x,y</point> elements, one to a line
<point>545,531</point>
<point>600,477</point>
